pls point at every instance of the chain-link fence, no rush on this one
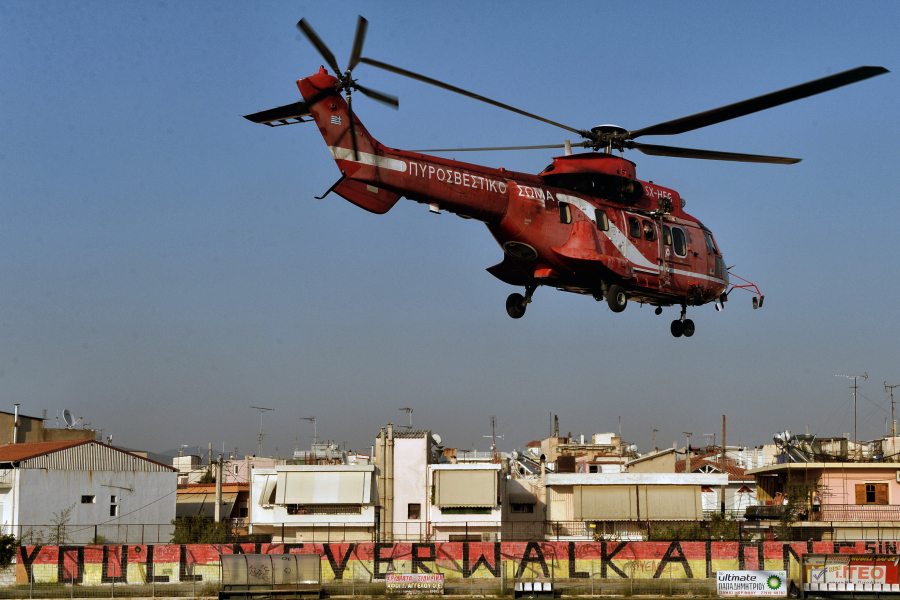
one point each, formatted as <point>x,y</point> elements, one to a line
<point>199,532</point>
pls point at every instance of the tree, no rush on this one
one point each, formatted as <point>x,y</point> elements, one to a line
<point>197,529</point>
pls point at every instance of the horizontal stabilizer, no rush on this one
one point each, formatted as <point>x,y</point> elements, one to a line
<point>283,115</point>
<point>373,199</point>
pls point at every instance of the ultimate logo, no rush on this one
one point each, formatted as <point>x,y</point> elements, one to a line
<point>774,582</point>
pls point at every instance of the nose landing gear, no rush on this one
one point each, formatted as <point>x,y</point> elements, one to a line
<point>682,327</point>
<point>517,303</point>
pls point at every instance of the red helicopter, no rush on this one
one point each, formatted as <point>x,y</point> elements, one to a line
<point>585,224</point>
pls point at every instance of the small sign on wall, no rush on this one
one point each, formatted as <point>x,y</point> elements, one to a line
<point>415,583</point>
<point>751,583</point>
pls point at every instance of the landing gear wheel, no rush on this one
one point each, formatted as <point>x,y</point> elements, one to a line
<point>688,328</point>
<point>678,328</point>
<point>515,305</point>
<point>616,298</point>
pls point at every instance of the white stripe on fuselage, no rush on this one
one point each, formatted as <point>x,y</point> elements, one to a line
<point>366,158</point>
<point>621,241</point>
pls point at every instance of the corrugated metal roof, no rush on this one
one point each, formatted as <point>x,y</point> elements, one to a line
<point>77,455</point>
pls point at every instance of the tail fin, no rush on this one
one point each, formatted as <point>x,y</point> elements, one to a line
<point>332,115</point>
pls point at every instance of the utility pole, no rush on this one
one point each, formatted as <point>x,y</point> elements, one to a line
<point>854,378</point>
<point>261,410</point>
<point>219,489</point>
<point>654,436</point>
<point>893,422</point>
<point>724,450</point>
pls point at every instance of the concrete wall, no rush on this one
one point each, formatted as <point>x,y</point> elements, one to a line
<point>410,483</point>
<point>487,560</point>
<point>31,429</point>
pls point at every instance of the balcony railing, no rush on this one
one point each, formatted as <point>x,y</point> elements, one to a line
<point>858,512</point>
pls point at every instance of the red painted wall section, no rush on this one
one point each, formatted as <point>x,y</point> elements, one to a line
<point>101,565</point>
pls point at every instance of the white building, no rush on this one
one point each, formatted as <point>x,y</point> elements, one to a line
<point>466,502</point>
<point>48,489</point>
<point>307,503</point>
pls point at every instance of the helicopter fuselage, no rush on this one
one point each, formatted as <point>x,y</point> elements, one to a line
<point>583,225</point>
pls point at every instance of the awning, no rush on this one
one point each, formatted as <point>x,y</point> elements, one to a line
<point>466,487</point>
<point>204,504</point>
<point>322,487</point>
<point>268,487</point>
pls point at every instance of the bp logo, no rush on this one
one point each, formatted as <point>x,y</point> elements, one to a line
<point>774,582</point>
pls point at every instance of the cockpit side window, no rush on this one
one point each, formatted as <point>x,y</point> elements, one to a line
<point>710,244</point>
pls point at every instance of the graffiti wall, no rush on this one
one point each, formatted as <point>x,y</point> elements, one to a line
<point>132,564</point>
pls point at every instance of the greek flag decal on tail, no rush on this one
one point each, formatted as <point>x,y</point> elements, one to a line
<point>335,119</point>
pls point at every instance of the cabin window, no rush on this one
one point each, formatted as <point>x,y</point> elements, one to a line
<point>649,231</point>
<point>710,244</point>
<point>667,235</point>
<point>602,220</point>
<point>634,227</point>
<point>565,213</point>
<point>678,243</point>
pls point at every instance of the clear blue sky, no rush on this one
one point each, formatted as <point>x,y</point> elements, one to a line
<point>165,265</point>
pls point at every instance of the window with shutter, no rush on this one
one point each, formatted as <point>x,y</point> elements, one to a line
<point>881,493</point>
<point>860,493</point>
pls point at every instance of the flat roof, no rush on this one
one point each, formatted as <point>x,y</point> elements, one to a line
<point>703,479</point>
<point>820,465</point>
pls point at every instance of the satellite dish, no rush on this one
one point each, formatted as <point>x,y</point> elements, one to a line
<point>67,417</point>
<point>514,455</point>
<point>437,439</point>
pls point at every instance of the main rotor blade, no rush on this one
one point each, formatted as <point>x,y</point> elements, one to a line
<point>746,107</point>
<point>655,150</point>
<point>388,99</point>
<point>352,129</point>
<point>314,39</point>
<point>361,26</point>
<point>582,144</point>
<point>453,88</point>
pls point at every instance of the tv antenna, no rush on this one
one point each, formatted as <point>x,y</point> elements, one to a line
<point>315,431</point>
<point>409,411</point>
<point>262,410</point>
<point>709,436</point>
<point>494,435</point>
<point>687,452</point>
<point>893,423</point>
<point>854,378</point>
